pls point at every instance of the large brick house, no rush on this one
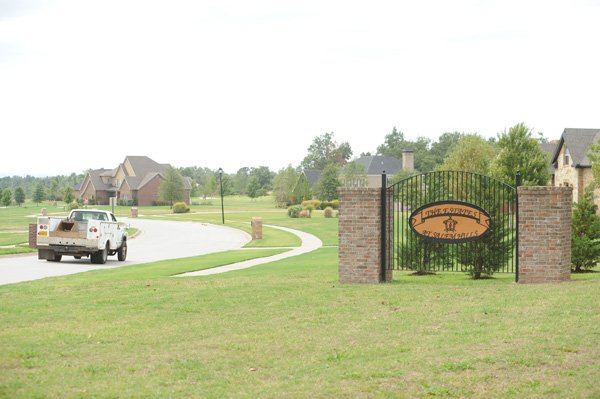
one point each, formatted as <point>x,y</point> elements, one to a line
<point>138,179</point>
<point>572,166</point>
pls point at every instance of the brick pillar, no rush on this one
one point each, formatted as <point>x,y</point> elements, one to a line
<point>360,236</point>
<point>544,234</point>
<point>257,228</point>
<point>33,236</point>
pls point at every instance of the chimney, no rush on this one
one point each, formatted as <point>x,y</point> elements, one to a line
<point>408,159</point>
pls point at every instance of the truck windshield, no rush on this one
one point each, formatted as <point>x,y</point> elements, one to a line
<point>81,216</point>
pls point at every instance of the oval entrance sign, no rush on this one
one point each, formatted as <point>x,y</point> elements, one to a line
<point>450,221</point>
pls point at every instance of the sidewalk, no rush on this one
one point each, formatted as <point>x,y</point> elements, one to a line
<point>309,244</point>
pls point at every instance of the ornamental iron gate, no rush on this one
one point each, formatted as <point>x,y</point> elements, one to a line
<point>450,221</point>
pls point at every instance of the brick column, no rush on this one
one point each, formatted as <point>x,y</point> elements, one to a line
<point>360,236</point>
<point>544,234</point>
<point>257,228</point>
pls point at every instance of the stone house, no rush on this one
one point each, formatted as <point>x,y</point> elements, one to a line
<point>137,179</point>
<point>572,167</point>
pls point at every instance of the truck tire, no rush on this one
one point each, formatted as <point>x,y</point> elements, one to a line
<point>99,258</point>
<point>56,258</point>
<point>122,251</point>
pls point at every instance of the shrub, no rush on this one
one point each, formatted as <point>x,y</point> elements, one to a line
<point>309,208</point>
<point>72,205</point>
<point>180,207</point>
<point>294,211</point>
<point>315,203</point>
<point>304,213</point>
<point>335,204</point>
<point>325,204</point>
<point>585,233</point>
<point>328,212</point>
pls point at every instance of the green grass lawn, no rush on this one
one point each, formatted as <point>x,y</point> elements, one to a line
<point>289,329</point>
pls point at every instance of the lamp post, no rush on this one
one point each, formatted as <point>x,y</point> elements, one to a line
<point>221,182</point>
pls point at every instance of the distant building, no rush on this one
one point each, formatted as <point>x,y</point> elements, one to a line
<point>374,166</point>
<point>138,179</point>
<point>570,161</point>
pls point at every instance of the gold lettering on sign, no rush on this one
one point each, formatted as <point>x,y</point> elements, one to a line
<point>450,221</point>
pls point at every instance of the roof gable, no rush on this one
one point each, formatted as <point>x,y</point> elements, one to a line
<point>377,164</point>
<point>578,142</point>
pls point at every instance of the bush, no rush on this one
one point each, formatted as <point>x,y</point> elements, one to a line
<point>328,212</point>
<point>309,208</point>
<point>180,207</point>
<point>315,203</point>
<point>304,213</point>
<point>325,204</point>
<point>294,211</point>
<point>335,204</point>
<point>72,205</point>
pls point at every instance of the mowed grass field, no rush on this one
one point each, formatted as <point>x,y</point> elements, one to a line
<point>289,329</point>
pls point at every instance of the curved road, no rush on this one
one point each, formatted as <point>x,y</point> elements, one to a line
<point>159,240</point>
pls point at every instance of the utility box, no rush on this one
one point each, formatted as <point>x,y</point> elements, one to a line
<point>134,212</point>
<point>257,228</point>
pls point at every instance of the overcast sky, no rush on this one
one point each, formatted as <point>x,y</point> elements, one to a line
<point>233,83</point>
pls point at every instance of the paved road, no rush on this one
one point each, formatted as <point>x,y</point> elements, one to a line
<point>159,240</point>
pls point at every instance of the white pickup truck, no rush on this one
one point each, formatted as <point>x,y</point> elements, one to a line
<point>86,232</point>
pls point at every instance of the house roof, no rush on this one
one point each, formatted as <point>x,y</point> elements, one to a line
<point>578,142</point>
<point>377,164</point>
<point>312,175</point>
<point>96,179</point>
<point>549,148</point>
<point>142,165</point>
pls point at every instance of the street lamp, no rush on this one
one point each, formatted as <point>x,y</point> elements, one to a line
<point>221,182</point>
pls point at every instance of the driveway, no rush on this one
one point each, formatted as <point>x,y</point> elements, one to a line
<point>159,240</point>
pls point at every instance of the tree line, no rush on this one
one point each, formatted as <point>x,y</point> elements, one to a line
<point>513,149</point>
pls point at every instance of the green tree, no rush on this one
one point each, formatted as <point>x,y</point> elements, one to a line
<point>328,183</point>
<point>254,189</point>
<point>39,194</point>
<point>68,196</point>
<point>54,188</point>
<point>520,151</point>
<point>6,197</point>
<point>395,143</point>
<point>283,186</point>
<point>585,233</point>
<point>264,176</point>
<point>324,150</point>
<point>172,187</point>
<point>354,175</point>
<point>240,181</point>
<point>302,190</point>
<point>471,154</point>
<point>209,188</point>
<point>19,196</point>
<point>445,144</point>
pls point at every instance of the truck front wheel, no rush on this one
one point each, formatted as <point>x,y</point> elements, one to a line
<point>122,251</point>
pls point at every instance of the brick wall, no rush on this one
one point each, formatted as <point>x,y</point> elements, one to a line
<point>360,236</point>
<point>544,234</point>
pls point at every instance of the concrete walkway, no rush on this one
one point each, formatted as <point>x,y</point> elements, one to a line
<point>309,244</point>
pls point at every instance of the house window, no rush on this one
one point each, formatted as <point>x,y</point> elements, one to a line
<point>567,156</point>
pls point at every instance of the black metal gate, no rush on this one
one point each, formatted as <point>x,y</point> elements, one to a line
<point>422,217</point>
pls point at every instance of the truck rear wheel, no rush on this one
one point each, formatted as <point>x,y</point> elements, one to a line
<point>122,251</point>
<point>99,258</point>
<point>56,258</point>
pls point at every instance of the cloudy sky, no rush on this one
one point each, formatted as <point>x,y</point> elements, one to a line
<point>233,83</point>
